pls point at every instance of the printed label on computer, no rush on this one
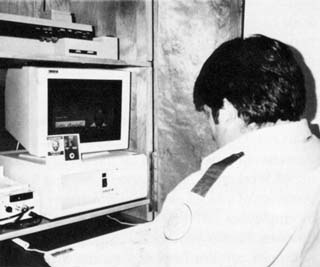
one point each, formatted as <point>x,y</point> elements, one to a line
<point>63,147</point>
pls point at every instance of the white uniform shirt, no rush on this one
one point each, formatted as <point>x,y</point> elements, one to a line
<point>262,211</point>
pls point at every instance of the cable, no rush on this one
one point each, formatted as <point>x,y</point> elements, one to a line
<point>19,215</point>
<point>121,222</point>
<point>34,219</point>
<point>35,250</point>
<point>23,212</point>
<point>10,217</point>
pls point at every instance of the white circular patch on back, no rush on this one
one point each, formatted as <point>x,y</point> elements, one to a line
<point>178,222</point>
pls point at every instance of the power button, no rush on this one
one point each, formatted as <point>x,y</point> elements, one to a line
<point>9,209</point>
<point>104,182</point>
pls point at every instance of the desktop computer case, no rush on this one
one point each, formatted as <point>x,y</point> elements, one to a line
<point>68,187</point>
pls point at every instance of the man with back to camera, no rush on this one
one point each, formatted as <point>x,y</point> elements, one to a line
<point>255,200</point>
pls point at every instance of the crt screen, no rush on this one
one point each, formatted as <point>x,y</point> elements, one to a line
<point>91,108</point>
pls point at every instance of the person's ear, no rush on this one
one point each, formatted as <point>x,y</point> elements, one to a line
<point>228,112</point>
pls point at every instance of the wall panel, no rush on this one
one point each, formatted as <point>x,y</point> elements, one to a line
<point>187,33</point>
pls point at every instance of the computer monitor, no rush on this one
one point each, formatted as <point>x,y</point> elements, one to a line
<point>43,102</point>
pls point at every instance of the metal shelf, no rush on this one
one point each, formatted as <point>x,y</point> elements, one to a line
<point>49,224</point>
<point>15,60</point>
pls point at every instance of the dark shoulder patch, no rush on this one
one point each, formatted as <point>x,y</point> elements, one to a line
<point>213,173</point>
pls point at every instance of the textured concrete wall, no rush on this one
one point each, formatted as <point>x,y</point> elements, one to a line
<point>187,33</point>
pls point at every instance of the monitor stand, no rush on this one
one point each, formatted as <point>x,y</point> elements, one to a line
<point>32,158</point>
<point>94,155</point>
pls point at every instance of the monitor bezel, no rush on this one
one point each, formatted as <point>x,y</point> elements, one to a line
<point>98,74</point>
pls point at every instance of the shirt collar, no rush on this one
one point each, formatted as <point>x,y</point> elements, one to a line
<point>286,133</point>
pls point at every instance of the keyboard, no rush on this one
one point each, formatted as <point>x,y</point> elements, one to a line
<point>117,249</point>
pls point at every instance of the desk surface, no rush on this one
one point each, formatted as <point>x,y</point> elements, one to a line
<point>47,224</point>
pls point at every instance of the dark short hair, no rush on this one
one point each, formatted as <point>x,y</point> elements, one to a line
<point>258,75</point>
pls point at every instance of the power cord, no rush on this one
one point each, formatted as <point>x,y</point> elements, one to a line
<point>18,223</point>
<point>121,222</point>
<point>24,211</point>
<point>19,215</point>
<point>11,217</point>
